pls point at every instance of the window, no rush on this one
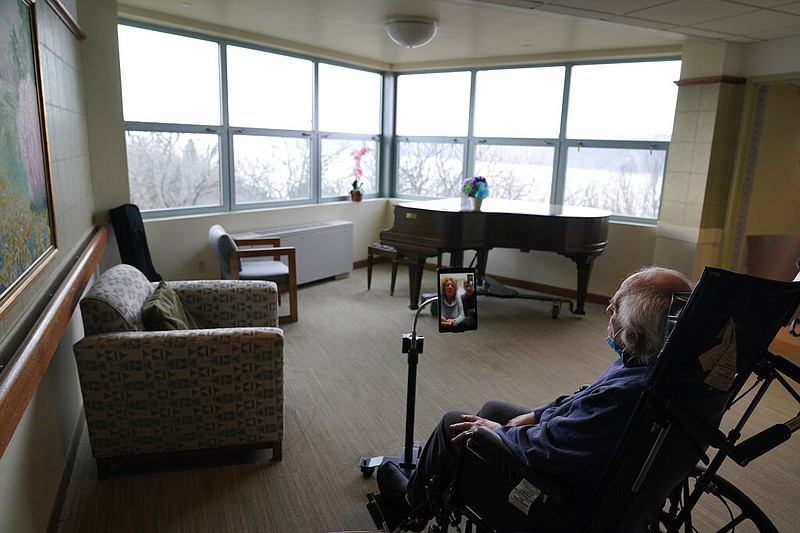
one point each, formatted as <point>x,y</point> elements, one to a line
<point>580,134</point>
<point>168,78</point>
<point>520,102</point>
<point>623,101</point>
<point>345,161</point>
<point>213,125</point>
<point>173,170</point>
<point>618,128</point>
<point>268,90</point>
<point>517,172</point>
<point>349,103</point>
<point>349,100</point>
<point>433,104</point>
<point>269,100</point>
<point>430,168</point>
<point>432,126</point>
<point>626,181</point>
<point>171,167</point>
<point>269,168</point>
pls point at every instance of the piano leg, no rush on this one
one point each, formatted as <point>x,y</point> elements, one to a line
<point>456,258</point>
<point>584,264</point>
<point>416,266</point>
<point>483,258</point>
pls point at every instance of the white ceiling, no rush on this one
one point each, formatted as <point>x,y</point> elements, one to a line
<point>480,31</point>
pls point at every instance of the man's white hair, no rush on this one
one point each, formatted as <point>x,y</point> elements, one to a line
<point>642,314</point>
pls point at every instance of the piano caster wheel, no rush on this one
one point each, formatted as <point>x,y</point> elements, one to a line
<point>555,311</point>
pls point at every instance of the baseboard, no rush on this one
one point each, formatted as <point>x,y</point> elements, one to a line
<point>66,475</point>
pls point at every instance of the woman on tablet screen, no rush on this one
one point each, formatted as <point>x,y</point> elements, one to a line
<point>451,310</point>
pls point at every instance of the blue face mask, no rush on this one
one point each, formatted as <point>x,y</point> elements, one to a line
<point>619,351</point>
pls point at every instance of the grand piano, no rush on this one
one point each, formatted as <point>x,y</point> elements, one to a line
<point>428,228</point>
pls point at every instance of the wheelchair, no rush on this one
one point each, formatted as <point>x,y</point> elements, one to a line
<point>716,345</point>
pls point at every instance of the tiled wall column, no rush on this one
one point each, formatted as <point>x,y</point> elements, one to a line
<point>699,173</point>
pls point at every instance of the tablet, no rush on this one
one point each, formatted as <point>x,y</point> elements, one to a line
<point>457,299</point>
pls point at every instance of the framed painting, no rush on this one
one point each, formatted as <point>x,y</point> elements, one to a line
<point>27,228</point>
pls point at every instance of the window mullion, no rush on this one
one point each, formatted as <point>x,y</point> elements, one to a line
<point>387,172</point>
<point>225,136</point>
<point>560,163</point>
<point>316,137</point>
<point>469,149</point>
<point>559,173</point>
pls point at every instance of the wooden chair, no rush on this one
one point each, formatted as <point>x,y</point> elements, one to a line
<point>257,259</point>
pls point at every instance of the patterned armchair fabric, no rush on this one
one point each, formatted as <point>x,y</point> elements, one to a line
<point>163,392</point>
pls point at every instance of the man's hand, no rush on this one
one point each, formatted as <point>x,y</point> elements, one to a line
<point>528,419</point>
<point>470,422</point>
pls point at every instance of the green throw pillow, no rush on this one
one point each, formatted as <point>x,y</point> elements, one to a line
<point>163,310</point>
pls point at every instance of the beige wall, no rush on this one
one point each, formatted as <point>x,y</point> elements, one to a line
<point>32,465</point>
<point>775,196</point>
<point>701,166</point>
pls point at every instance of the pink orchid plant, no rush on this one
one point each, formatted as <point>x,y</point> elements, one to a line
<point>357,154</point>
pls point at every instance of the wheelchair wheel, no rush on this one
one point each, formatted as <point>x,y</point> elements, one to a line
<point>722,507</point>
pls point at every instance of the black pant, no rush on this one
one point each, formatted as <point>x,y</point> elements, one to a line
<point>438,457</point>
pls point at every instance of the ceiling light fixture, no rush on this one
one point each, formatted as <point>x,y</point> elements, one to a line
<point>411,32</point>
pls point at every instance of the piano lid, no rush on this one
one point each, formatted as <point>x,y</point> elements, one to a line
<point>500,205</point>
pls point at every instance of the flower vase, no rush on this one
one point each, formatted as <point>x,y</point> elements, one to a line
<point>355,195</point>
<point>475,203</point>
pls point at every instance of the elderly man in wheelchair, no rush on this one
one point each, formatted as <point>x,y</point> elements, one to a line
<point>606,457</point>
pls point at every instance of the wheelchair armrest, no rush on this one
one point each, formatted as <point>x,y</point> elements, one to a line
<point>490,446</point>
<point>486,437</point>
<point>499,489</point>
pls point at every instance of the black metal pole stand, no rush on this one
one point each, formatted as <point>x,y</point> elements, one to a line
<point>409,455</point>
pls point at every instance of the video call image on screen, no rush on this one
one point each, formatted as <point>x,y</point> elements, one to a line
<point>457,303</point>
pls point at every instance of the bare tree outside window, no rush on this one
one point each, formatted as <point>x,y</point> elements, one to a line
<point>338,166</point>
<point>627,182</point>
<point>430,169</point>
<point>516,172</point>
<point>271,168</point>
<point>170,170</point>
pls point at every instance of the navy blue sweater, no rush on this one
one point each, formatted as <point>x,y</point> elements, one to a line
<point>577,434</point>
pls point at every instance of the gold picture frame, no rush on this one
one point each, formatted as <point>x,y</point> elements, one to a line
<point>27,222</point>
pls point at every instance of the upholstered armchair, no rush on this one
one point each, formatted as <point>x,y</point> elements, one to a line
<point>154,393</point>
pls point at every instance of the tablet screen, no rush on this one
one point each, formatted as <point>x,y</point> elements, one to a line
<point>457,300</point>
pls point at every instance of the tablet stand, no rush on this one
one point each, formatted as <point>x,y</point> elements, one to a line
<point>409,455</point>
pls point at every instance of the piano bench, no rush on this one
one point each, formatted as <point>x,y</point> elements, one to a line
<point>382,250</point>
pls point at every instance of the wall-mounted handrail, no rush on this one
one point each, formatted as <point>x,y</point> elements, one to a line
<point>21,377</point>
